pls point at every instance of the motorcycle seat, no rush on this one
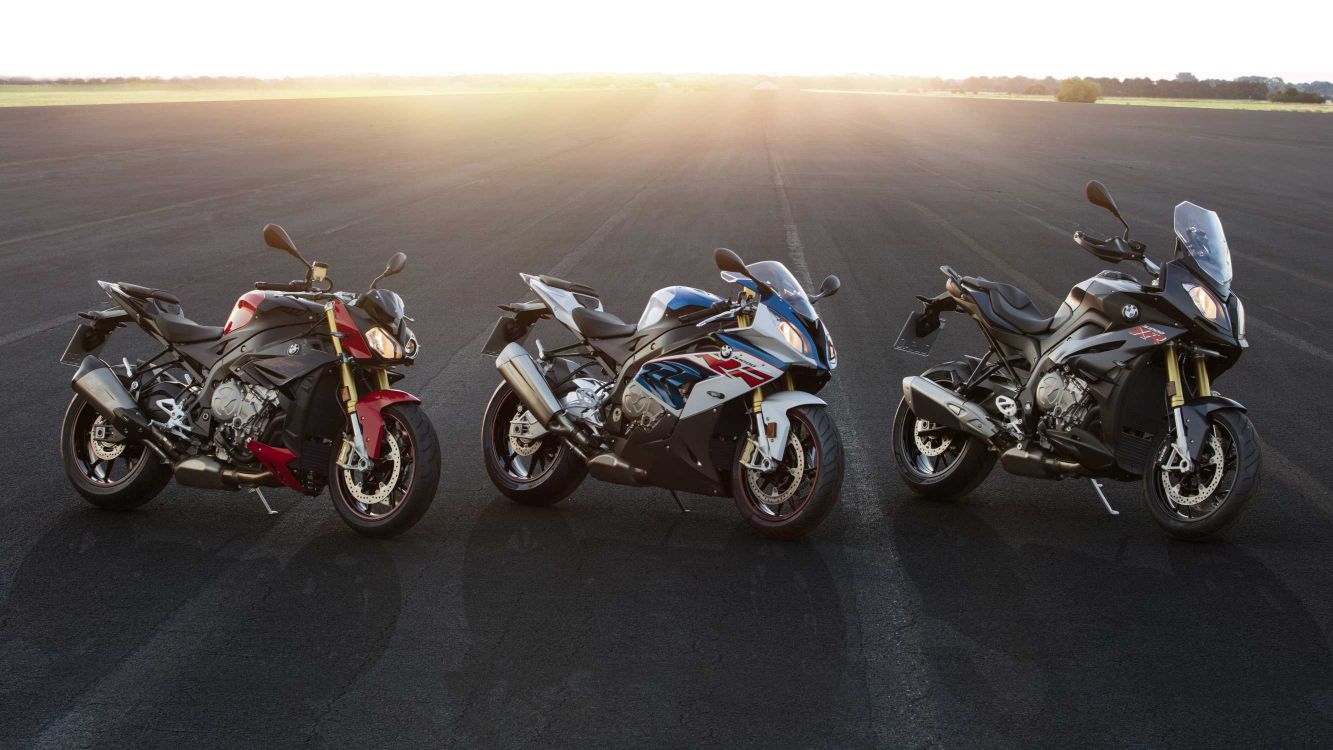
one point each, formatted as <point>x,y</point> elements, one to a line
<point>178,329</point>
<point>569,286</point>
<point>593,324</point>
<point>1012,305</point>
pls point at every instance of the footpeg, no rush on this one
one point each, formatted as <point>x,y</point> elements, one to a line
<point>264,500</point>
<point>1098,487</point>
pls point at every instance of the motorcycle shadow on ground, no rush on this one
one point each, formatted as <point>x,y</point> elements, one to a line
<point>149,628</point>
<point>1162,644</point>
<point>583,626</point>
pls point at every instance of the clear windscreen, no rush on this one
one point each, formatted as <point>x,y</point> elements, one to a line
<point>785,285</point>
<point>1200,234</point>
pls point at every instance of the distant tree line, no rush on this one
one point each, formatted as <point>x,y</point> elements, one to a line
<point>1183,86</point>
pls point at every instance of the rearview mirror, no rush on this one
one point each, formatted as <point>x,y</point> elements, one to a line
<point>1099,196</point>
<point>397,262</point>
<point>829,288</point>
<point>727,260</point>
<point>276,237</point>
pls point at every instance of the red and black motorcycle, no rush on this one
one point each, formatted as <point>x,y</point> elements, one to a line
<point>293,391</point>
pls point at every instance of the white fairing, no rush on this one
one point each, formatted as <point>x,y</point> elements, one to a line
<point>561,302</point>
<point>774,411</point>
<point>763,333</point>
<point>656,307</point>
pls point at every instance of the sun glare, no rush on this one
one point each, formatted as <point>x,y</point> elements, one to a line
<point>392,37</point>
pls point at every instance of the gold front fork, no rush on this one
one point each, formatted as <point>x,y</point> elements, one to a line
<point>1175,387</point>
<point>1201,375</point>
<point>349,385</point>
<point>382,379</point>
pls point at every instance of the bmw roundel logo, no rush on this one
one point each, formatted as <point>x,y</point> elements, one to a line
<point>294,349</point>
<point>724,352</point>
<point>1130,312</point>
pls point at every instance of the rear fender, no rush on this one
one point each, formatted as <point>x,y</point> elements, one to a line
<point>773,411</point>
<point>369,410</point>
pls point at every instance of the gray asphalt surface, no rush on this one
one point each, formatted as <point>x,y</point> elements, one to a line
<point>1024,616</point>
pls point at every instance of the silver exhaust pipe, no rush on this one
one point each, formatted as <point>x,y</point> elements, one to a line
<point>102,389</point>
<point>935,403</point>
<point>521,373</point>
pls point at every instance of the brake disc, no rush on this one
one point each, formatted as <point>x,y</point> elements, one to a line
<point>1214,463</point>
<point>797,472</point>
<point>393,456</point>
<point>103,450</point>
<point>929,445</point>
<point>523,422</point>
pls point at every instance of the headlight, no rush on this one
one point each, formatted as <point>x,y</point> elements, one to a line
<point>410,348</point>
<point>1208,305</point>
<point>832,351</point>
<point>384,345</point>
<point>1240,320</point>
<point>793,337</point>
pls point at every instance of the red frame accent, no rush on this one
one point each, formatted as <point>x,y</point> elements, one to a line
<point>353,342</point>
<point>276,460</point>
<point>368,408</point>
<point>243,311</point>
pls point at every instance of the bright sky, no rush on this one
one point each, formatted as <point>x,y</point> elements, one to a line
<point>276,38</point>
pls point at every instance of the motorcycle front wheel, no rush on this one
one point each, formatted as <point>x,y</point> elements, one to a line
<point>789,501</point>
<point>1205,502</point>
<point>395,493</point>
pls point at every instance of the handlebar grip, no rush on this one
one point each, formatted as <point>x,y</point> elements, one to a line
<point>711,310</point>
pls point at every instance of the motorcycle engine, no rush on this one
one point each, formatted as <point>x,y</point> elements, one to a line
<point>1063,399</point>
<point>639,409</point>
<point>241,413</point>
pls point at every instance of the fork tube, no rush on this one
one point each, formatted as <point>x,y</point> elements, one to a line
<point>1201,376</point>
<point>349,385</point>
<point>1174,385</point>
<point>382,378</point>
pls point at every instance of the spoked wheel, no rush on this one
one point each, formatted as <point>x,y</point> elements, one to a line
<point>103,466</point>
<point>934,461</point>
<point>790,500</point>
<point>533,471</point>
<point>396,491</point>
<point>1205,501</point>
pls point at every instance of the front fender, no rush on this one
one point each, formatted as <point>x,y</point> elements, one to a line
<point>1194,415</point>
<point>368,413</point>
<point>773,411</point>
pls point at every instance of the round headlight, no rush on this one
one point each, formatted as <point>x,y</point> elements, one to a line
<point>384,345</point>
<point>410,348</point>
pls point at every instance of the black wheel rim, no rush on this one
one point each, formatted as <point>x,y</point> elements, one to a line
<point>102,464</point>
<point>1209,471</point>
<point>928,464</point>
<point>396,464</point>
<point>521,463</point>
<point>802,453</point>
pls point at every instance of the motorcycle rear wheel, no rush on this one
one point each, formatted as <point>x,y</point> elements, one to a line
<point>541,472</point>
<point>959,462</point>
<point>110,476</point>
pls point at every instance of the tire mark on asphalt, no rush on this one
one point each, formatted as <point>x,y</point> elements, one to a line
<point>901,618</point>
<point>153,211</point>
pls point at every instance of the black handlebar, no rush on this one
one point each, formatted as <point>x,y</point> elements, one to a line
<point>720,306</point>
<point>290,286</point>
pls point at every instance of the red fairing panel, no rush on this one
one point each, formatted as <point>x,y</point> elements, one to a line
<point>244,311</point>
<point>276,460</point>
<point>353,342</point>
<point>368,408</point>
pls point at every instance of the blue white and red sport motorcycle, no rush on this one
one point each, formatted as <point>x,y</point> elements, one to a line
<point>706,395</point>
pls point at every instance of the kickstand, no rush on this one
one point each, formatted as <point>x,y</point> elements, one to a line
<point>264,500</point>
<point>1098,487</point>
<point>679,504</point>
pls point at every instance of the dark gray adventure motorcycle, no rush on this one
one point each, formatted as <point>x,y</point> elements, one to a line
<point>1117,384</point>
<point>293,391</point>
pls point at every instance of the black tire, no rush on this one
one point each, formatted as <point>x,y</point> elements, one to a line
<point>966,459</point>
<point>1238,485</point>
<point>558,469</point>
<point>815,493</point>
<point>135,476</point>
<point>418,476</point>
